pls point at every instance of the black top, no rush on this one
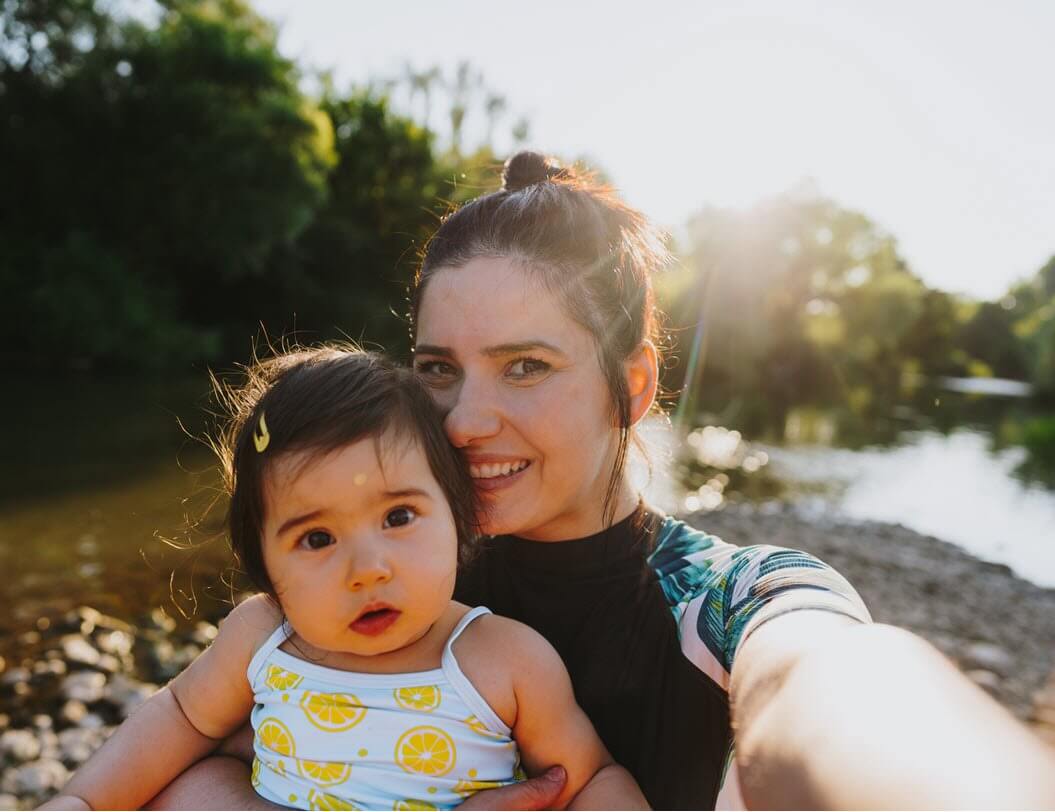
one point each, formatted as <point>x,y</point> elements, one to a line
<point>599,603</point>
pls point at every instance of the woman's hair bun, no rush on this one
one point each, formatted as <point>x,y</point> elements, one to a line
<point>527,168</point>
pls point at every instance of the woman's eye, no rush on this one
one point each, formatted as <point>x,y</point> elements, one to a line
<point>317,539</point>
<point>526,367</point>
<point>435,370</point>
<point>400,517</point>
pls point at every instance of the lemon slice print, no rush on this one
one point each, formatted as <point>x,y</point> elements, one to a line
<point>426,750</point>
<point>323,800</point>
<point>480,728</point>
<point>325,772</point>
<point>254,777</point>
<point>332,712</point>
<point>420,698</point>
<point>276,737</point>
<point>279,679</point>
<point>411,804</point>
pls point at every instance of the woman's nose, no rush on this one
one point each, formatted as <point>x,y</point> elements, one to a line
<point>473,416</point>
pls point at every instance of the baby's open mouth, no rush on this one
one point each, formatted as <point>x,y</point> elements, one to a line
<point>375,619</point>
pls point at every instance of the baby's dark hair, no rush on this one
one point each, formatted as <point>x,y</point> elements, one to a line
<point>318,400</point>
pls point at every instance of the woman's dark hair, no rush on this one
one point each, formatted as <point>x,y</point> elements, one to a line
<point>319,400</point>
<point>584,244</point>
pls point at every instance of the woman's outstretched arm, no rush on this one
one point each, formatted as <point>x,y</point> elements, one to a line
<point>831,714</point>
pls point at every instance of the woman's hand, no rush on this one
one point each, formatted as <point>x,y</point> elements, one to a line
<point>539,792</point>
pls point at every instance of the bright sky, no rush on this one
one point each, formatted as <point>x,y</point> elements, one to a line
<point>935,119</point>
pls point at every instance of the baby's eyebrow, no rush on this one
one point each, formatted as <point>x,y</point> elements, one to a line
<point>403,493</point>
<point>289,524</point>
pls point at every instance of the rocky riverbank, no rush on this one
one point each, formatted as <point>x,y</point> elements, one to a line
<point>72,677</point>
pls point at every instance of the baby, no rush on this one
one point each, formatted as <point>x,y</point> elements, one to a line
<point>368,686</point>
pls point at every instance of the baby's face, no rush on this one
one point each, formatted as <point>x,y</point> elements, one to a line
<point>362,551</point>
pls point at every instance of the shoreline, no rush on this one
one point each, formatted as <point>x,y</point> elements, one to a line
<point>997,627</point>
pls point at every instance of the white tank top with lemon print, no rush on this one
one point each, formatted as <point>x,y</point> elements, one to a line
<point>330,739</point>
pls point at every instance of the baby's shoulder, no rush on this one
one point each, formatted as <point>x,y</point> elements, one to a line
<point>495,653</point>
<point>251,623</point>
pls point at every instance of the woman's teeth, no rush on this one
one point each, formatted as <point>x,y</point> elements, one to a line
<point>491,470</point>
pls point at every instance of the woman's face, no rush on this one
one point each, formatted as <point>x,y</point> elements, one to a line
<point>525,398</point>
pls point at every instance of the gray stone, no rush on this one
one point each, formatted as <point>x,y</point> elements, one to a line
<point>76,745</point>
<point>15,676</point>
<point>988,657</point>
<point>92,721</point>
<point>73,712</point>
<point>49,667</point>
<point>84,686</point>
<point>19,745</point>
<point>108,663</point>
<point>118,643</point>
<point>985,679</point>
<point>78,650</point>
<point>204,633</point>
<point>160,620</point>
<point>40,777</point>
<point>127,694</point>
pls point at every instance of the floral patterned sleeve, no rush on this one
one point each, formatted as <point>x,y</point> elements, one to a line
<point>720,593</point>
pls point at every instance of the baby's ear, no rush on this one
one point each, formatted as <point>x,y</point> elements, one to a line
<point>642,378</point>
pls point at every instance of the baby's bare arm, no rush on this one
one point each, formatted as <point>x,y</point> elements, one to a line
<point>552,729</point>
<point>177,726</point>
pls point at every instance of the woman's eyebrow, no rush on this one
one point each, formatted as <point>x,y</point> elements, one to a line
<point>512,348</point>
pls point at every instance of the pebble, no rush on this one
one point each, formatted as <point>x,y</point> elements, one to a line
<point>50,667</point>
<point>204,633</point>
<point>118,643</point>
<point>160,620</point>
<point>42,721</point>
<point>84,686</point>
<point>92,721</point>
<point>5,720</point>
<point>76,745</point>
<point>985,679</point>
<point>73,712</point>
<point>19,745</point>
<point>40,777</point>
<point>3,663</point>
<point>78,650</point>
<point>15,676</point>
<point>988,657</point>
<point>127,694</point>
<point>8,801</point>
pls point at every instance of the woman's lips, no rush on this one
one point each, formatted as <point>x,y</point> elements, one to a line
<point>496,483</point>
<point>374,621</point>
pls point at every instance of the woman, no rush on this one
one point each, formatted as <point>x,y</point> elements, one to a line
<point>534,325</point>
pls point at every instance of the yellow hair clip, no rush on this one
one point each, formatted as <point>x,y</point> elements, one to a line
<point>261,437</point>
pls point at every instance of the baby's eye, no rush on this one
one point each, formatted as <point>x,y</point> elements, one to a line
<point>317,540</point>
<point>400,517</point>
<point>526,367</point>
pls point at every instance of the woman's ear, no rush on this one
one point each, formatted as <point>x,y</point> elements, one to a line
<point>642,377</point>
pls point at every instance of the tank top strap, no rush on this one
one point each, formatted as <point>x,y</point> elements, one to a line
<point>456,677</point>
<point>276,639</point>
